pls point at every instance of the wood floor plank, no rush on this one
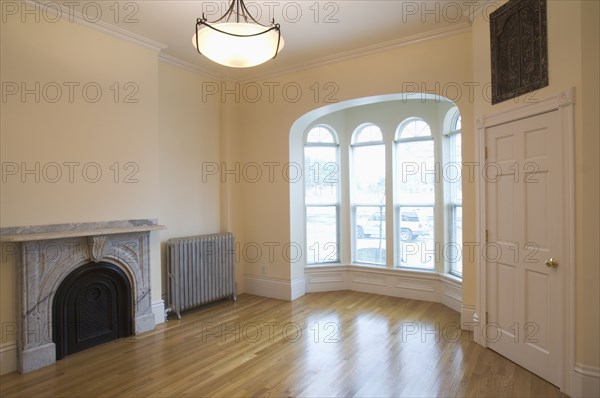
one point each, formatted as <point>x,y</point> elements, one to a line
<point>321,345</point>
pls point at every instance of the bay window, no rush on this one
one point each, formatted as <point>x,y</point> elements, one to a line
<point>398,195</point>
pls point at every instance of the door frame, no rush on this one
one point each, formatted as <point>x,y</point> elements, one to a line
<point>564,103</point>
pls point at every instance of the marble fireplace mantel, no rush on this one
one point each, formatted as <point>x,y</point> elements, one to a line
<point>58,231</point>
<point>46,254</point>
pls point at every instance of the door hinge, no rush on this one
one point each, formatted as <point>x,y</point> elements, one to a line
<point>485,155</point>
<point>486,236</point>
<point>485,321</point>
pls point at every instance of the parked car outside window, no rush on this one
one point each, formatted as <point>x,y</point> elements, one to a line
<point>412,226</point>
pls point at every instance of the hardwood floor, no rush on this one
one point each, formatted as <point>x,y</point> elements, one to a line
<point>323,344</point>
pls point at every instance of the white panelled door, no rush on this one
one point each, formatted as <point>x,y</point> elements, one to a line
<point>525,243</point>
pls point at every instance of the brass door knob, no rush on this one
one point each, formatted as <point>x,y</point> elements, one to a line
<point>551,263</point>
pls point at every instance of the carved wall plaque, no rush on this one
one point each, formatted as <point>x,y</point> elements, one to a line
<point>519,47</point>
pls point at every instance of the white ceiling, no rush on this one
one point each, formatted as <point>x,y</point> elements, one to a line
<point>314,30</point>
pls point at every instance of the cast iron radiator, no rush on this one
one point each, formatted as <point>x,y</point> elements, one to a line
<point>201,269</point>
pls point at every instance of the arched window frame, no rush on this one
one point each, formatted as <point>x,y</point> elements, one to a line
<point>360,130</point>
<point>423,208</point>
<point>323,252</point>
<point>407,122</point>
<point>453,191</point>
<point>364,211</point>
<point>328,130</point>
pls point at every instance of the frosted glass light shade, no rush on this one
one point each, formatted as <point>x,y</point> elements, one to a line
<point>235,51</point>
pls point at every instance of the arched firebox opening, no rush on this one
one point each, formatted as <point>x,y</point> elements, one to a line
<point>93,305</point>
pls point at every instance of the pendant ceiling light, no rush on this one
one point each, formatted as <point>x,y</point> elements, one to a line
<point>237,39</point>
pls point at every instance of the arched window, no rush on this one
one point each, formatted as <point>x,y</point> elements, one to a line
<point>416,179</point>
<point>368,195</point>
<point>321,198</point>
<point>453,188</point>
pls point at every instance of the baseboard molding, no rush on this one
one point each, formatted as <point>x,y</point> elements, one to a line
<point>450,289</point>
<point>271,287</point>
<point>418,285</point>
<point>467,312</point>
<point>158,309</point>
<point>8,358</point>
<point>298,288</point>
<point>585,381</point>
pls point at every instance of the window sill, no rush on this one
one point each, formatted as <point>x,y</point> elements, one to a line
<point>451,278</point>
<point>385,270</point>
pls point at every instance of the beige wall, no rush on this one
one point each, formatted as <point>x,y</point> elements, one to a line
<point>588,190</point>
<point>188,141</point>
<point>99,136</point>
<point>573,59</point>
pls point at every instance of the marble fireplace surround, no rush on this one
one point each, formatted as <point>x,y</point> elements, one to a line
<point>46,254</point>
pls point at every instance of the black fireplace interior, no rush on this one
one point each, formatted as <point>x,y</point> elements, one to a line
<point>92,306</point>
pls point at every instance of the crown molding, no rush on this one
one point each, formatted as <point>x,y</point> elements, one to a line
<point>169,59</point>
<point>377,48</point>
<point>71,15</point>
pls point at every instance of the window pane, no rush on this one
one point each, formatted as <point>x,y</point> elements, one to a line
<point>458,159</point>
<point>370,234</point>
<point>415,128</point>
<point>454,251</point>
<point>320,135</point>
<point>417,246</point>
<point>369,133</point>
<point>416,172</point>
<point>321,175</point>
<point>369,174</point>
<point>321,234</point>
